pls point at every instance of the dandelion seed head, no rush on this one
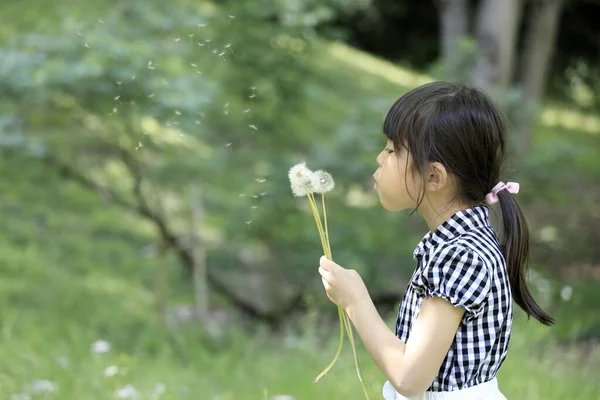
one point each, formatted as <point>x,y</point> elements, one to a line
<point>302,180</point>
<point>326,182</point>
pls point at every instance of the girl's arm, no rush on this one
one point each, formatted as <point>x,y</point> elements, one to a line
<point>409,367</point>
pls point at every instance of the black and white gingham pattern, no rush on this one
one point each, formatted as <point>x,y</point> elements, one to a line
<point>461,262</point>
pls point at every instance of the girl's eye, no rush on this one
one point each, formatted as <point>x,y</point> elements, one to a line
<point>389,151</point>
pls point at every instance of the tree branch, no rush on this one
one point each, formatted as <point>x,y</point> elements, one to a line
<point>170,238</point>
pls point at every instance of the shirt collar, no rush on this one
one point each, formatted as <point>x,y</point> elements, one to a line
<point>458,224</point>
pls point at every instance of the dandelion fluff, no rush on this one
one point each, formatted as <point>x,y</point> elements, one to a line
<point>326,183</point>
<point>302,180</point>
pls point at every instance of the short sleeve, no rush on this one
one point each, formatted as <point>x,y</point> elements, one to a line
<point>457,275</point>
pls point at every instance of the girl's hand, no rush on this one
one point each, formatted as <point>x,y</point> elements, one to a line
<point>343,286</point>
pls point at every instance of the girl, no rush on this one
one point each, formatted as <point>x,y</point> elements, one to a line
<point>443,157</point>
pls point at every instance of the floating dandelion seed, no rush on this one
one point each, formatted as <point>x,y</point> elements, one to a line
<point>246,111</point>
<point>99,20</point>
<point>207,40</point>
<point>86,45</point>
<point>242,194</point>
<point>139,145</point>
<point>263,194</point>
<point>200,25</point>
<point>150,65</point>
<point>193,65</point>
<point>151,95</point>
<point>177,112</point>
<point>228,145</point>
<point>178,39</point>
<point>79,33</point>
<point>253,127</point>
<point>119,84</point>
<point>117,97</point>
<point>254,207</point>
<point>260,180</point>
<point>133,78</point>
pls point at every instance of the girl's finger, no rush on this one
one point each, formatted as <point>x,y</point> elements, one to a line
<point>324,273</point>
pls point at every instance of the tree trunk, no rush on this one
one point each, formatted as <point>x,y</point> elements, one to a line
<point>495,32</point>
<point>454,24</point>
<point>539,44</point>
<point>199,255</point>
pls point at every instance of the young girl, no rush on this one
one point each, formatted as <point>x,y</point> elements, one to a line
<point>445,148</point>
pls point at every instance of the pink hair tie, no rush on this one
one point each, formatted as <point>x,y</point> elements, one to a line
<point>492,197</point>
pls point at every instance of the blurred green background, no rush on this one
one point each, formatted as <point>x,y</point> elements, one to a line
<point>151,247</point>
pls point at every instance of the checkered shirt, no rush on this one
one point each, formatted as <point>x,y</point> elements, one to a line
<point>461,261</point>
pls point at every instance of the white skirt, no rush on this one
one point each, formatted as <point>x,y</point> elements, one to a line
<point>484,391</point>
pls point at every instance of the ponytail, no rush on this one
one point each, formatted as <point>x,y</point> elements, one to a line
<point>515,247</point>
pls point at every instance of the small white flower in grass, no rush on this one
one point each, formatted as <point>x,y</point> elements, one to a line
<point>127,392</point>
<point>302,180</point>
<point>100,347</point>
<point>42,386</point>
<point>159,390</point>
<point>63,362</point>
<point>326,183</point>
<point>111,371</point>
<point>566,293</point>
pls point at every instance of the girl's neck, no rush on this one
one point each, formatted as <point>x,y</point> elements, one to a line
<point>435,215</point>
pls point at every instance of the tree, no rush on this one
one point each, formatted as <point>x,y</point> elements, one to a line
<point>496,29</point>
<point>540,40</point>
<point>454,24</point>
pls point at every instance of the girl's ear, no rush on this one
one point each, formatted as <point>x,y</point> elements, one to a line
<point>437,177</point>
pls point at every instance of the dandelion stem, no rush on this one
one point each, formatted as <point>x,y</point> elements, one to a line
<point>339,348</point>
<point>317,216</point>
<point>325,220</point>
<point>348,325</point>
